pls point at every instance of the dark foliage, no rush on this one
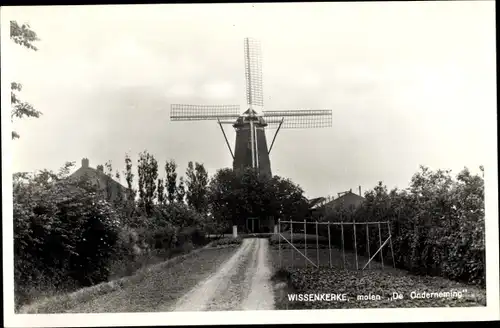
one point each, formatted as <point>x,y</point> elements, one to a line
<point>70,233</point>
<point>235,197</point>
<point>437,225</point>
<point>227,241</point>
<point>24,36</point>
<point>63,231</point>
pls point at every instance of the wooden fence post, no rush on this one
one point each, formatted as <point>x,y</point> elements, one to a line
<point>279,242</point>
<point>317,244</point>
<point>305,241</point>
<point>343,248</point>
<point>368,243</point>
<point>355,245</point>
<point>291,240</point>
<point>329,245</point>
<point>392,250</point>
<point>380,241</point>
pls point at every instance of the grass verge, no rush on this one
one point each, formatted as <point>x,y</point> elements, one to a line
<point>166,278</point>
<point>227,241</point>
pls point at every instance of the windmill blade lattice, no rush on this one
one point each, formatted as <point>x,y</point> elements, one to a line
<point>180,112</point>
<point>253,72</point>
<point>292,119</point>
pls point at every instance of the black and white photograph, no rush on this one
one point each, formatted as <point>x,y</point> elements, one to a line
<point>249,163</point>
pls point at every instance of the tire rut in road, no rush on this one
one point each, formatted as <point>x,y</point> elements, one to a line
<point>234,291</point>
<point>243,283</point>
<point>261,296</point>
<point>201,296</point>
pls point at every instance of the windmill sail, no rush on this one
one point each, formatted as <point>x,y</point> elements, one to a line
<point>180,112</point>
<point>253,72</point>
<point>291,119</point>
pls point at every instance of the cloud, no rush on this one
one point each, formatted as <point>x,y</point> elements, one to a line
<point>181,90</point>
<point>218,90</point>
<point>403,93</point>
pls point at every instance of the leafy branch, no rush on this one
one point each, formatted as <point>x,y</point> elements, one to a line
<point>24,36</point>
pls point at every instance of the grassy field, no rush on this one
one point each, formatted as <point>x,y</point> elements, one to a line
<point>369,288</point>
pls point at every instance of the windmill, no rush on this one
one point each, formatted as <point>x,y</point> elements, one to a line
<point>251,148</point>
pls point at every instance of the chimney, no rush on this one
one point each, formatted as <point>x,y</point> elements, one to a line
<point>85,162</point>
<point>360,191</point>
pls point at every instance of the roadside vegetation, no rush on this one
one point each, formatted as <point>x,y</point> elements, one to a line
<point>71,233</point>
<point>152,288</point>
<point>437,227</point>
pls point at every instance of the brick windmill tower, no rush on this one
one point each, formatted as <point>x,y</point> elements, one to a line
<point>251,148</point>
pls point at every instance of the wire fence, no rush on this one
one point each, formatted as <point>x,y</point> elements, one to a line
<point>305,238</point>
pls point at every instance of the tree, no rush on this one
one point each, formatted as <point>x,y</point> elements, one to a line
<point>161,192</point>
<point>190,184</point>
<point>181,191</point>
<point>63,229</point>
<point>171,180</point>
<point>65,169</point>
<point>119,194</point>
<point>288,201</point>
<point>197,187</point>
<point>234,197</point>
<point>148,175</point>
<point>109,179</point>
<point>129,204</point>
<point>24,36</point>
<point>225,197</point>
<point>202,184</point>
<point>129,178</point>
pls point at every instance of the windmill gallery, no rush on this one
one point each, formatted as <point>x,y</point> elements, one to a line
<point>251,149</point>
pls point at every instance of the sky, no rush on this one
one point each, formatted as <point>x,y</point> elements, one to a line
<point>409,84</point>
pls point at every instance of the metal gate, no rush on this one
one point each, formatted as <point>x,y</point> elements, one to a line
<point>312,233</point>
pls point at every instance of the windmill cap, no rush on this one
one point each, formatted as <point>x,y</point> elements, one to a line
<point>250,112</point>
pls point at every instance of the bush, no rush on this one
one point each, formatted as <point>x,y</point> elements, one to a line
<point>437,225</point>
<point>192,235</point>
<point>161,237</point>
<point>178,215</point>
<point>172,226</point>
<point>131,251</point>
<point>227,241</point>
<point>63,231</point>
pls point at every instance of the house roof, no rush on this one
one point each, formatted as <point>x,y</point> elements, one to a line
<point>347,194</point>
<point>91,172</point>
<point>320,204</point>
<point>313,202</point>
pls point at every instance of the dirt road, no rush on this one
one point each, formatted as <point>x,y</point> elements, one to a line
<point>214,279</point>
<point>241,283</point>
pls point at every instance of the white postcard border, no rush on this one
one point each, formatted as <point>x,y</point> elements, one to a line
<point>490,312</point>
